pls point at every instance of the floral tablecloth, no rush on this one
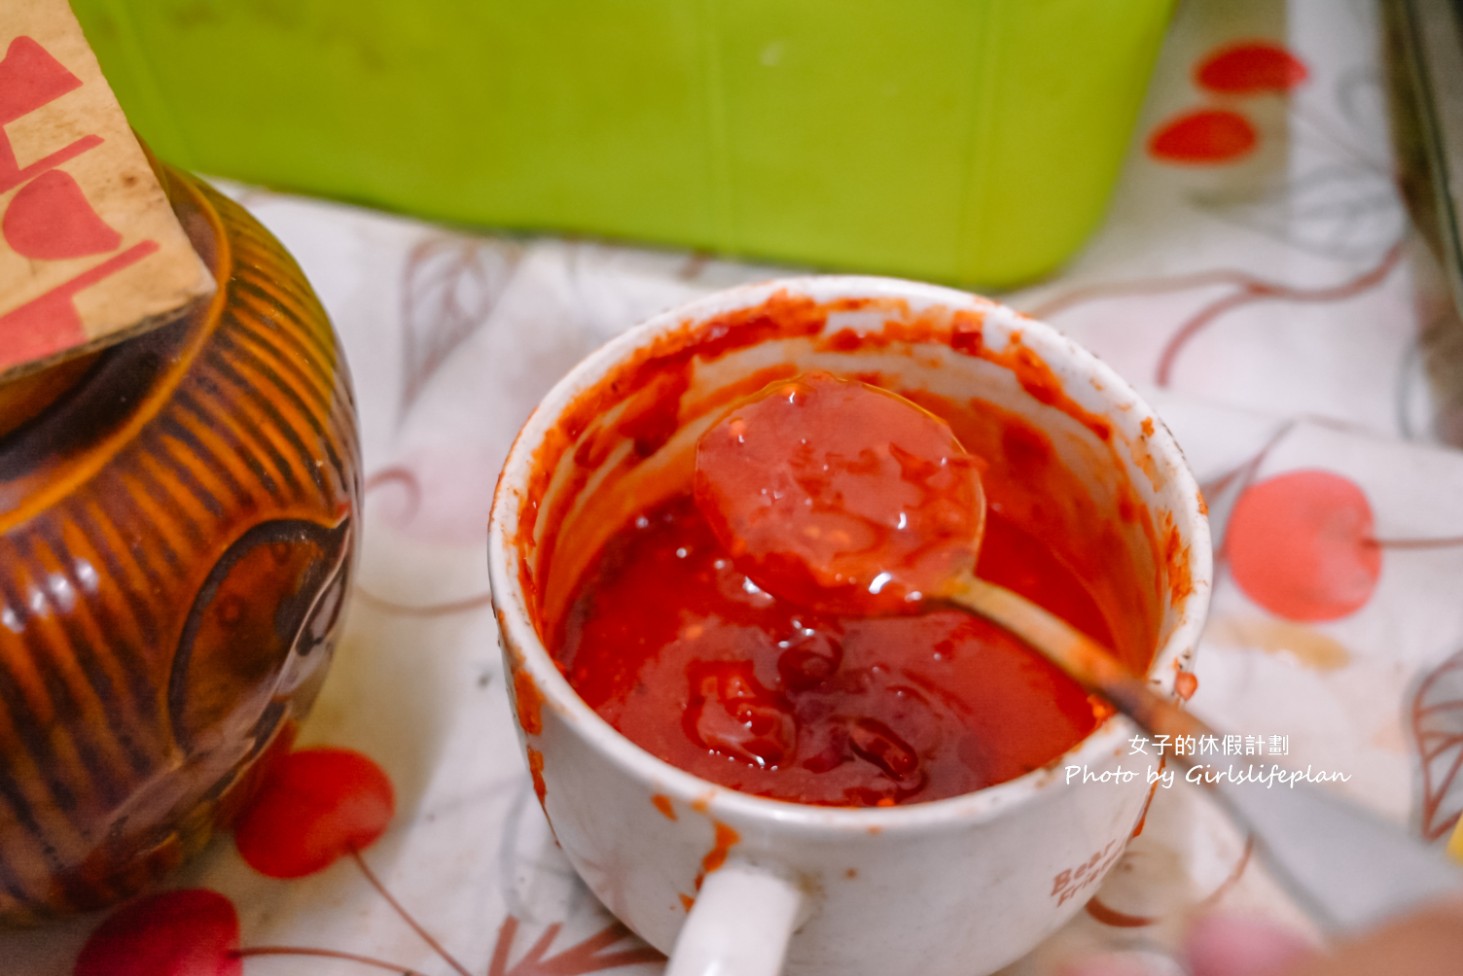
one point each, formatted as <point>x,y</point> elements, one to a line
<point>1259,276</point>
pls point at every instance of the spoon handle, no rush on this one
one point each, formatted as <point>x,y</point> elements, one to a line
<point>1348,867</point>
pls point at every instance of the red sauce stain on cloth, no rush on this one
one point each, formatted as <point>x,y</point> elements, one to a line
<point>1302,643</point>
<point>663,804</point>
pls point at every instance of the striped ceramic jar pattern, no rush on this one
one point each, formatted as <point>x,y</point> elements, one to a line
<point>176,543</point>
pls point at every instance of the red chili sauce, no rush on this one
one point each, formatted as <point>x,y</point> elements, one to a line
<point>838,495</point>
<point>672,643</point>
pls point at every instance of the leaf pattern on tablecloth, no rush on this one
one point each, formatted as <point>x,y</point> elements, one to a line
<point>1347,207</point>
<point>451,286</point>
<point>1437,730</point>
<point>1342,210</point>
<point>595,953</point>
<point>1242,289</point>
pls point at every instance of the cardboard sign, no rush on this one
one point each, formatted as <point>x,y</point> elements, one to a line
<point>90,251</point>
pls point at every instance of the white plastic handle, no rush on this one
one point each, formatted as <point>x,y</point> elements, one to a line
<point>740,925</point>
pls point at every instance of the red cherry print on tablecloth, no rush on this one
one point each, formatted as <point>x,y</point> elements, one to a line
<point>1301,545</point>
<point>314,807</point>
<point>1209,135</point>
<point>1250,68</point>
<point>49,219</point>
<point>188,932</point>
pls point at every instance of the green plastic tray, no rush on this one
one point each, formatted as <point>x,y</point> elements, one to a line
<point>971,141</point>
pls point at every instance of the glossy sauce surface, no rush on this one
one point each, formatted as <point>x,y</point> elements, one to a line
<point>675,647</point>
<point>836,494</point>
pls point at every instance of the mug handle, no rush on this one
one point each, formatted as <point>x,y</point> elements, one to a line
<point>740,925</point>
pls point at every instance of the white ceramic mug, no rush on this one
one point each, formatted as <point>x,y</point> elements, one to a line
<point>739,885</point>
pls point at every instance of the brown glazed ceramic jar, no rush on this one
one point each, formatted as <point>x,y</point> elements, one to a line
<point>177,518</point>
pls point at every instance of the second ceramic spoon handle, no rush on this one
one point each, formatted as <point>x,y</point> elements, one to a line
<point>1347,866</point>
